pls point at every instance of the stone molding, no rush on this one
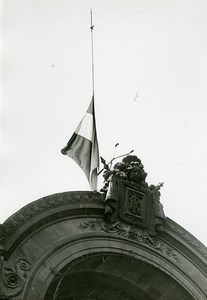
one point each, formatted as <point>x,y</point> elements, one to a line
<point>43,205</point>
<point>47,205</point>
<point>187,237</point>
<point>89,208</point>
<point>56,264</point>
<point>135,234</point>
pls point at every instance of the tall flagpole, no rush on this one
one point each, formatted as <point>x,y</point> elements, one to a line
<point>95,149</point>
<point>92,26</point>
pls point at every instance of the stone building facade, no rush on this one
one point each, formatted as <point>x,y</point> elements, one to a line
<point>64,246</point>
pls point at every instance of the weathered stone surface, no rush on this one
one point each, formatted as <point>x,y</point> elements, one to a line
<point>59,242</point>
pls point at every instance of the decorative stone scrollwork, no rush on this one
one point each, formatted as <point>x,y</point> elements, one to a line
<point>14,278</point>
<point>11,279</point>
<point>129,198</point>
<point>131,232</point>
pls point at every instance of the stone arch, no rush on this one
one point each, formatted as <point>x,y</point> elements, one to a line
<point>55,264</point>
<point>95,276</point>
<point>63,234</point>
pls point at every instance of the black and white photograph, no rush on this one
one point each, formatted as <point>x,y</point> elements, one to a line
<point>103,150</point>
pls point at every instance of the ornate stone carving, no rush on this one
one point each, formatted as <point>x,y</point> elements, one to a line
<point>134,204</point>
<point>130,168</point>
<point>44,204</point>
<point>14,278</point>
<point>129,198</point>
<point>131,232</point>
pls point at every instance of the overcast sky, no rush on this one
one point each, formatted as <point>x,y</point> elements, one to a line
<point>150,96</point>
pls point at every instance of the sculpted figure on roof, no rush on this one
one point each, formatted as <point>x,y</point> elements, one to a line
<point>130,174</point>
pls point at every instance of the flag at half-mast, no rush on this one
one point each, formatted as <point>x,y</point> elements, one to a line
<point>83,146</point>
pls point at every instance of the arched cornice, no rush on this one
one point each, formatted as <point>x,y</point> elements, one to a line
<point>61,205</point>
<point>45,210</point>
<point>53,222</point>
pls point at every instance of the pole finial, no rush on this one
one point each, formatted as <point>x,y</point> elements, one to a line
<point>92,26</point>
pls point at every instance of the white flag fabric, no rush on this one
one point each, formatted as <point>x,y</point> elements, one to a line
<point>83,146</point>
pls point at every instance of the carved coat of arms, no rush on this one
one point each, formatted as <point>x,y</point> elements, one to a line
<point>130,199</point>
